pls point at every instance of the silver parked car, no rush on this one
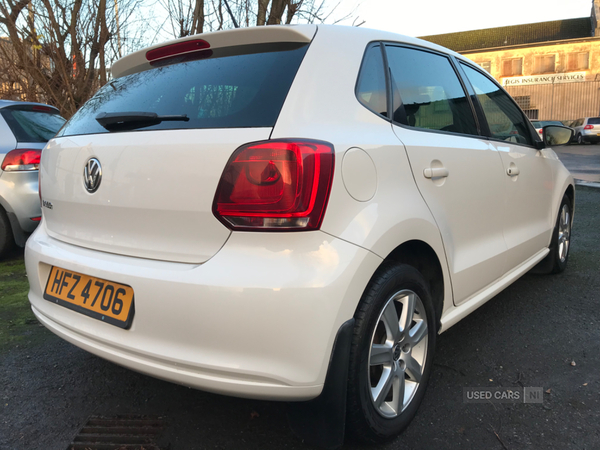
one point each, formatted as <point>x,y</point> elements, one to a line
<point>540,124</point>
<point>24,130</point>
<point>587,130</point>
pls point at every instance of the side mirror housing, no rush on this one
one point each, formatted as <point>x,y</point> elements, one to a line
<point>554,135</point>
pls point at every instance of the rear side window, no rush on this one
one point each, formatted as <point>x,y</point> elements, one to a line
<point>32,126</point>
<point>594,121</point>
<point>371,90</point>
<point>430,92</point>
<point>505,119</point>
<point>229,88</point>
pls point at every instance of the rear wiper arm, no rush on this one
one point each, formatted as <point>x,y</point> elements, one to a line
<point>130,120</point>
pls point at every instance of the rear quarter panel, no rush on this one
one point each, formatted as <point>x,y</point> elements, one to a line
<point>322,105</point>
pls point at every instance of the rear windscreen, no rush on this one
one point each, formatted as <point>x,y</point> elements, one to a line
<point>594,121</point>
<point>32,126</point>
<point>234,87</point>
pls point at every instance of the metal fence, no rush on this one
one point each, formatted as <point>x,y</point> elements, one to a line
<point>559,101</point>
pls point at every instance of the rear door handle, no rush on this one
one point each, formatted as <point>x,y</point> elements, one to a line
<point>435,172</point>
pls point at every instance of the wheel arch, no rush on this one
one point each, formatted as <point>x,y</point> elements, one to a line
<point>421,256</point>
<point>570,193</point>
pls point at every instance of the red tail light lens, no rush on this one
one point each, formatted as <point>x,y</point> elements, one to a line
<point>541,130</point>
<point>280,185</point>
<point>21,159</point>
<point>588,127</point>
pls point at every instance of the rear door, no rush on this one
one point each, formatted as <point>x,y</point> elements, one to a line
<point>528,182</point>
<point>458,173</point>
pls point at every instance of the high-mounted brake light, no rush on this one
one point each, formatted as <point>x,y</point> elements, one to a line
<point>21,159</point>
<point>588,127</point>
<point>44,109</point>
<point>280,185</point>
<point>177,49</point>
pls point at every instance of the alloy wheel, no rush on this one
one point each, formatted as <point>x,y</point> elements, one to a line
<point>564,232</point>
<point>398,352</point>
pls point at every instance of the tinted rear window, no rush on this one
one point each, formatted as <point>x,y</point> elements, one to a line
<point>594,121</point>
<point>32,126</point>
<point>230,88</point>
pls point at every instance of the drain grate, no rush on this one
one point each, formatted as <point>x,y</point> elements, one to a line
<point>119,433</point>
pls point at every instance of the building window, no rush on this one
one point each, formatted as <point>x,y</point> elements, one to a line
<point>577,61</point>
<point>544,64</point>
<point>512,67</point>
<point>532,114</point>
<point>486,65</point>
<point>524,101</point>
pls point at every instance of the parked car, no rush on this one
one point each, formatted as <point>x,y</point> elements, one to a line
<point>587,130</point>
<point>568,123</point>
<point>539,124</point>
<point>293,213</point>
<point>24,130</point>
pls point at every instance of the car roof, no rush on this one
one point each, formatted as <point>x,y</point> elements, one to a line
<point>8,103</point>
<point>137,62</point>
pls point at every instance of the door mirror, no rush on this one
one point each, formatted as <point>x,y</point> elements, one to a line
<point>554,135</point>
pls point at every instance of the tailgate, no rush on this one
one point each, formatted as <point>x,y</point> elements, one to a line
<point>155,195</point>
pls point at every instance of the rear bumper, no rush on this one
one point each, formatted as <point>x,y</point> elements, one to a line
<point>590,136</point>
<point>257,320</point>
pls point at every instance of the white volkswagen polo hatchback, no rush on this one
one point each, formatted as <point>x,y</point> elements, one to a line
<point>293,213</point>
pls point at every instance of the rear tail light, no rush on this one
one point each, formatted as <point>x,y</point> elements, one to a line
<point>280,185</point>
<point>21,159</point>
<point>588,127</point>
<point>541,130</point>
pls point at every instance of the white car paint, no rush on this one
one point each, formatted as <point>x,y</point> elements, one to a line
<point>256,314</point>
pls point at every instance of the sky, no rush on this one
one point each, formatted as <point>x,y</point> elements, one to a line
<point>426,17</point>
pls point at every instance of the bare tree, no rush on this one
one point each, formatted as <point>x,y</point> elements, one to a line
<point>60,51</point>
<point>215,15</point>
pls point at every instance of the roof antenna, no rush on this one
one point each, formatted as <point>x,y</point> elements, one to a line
<point>231,14</point>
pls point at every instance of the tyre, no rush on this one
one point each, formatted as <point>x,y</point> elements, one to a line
<point>561,237</point>
<point>391,353</point>
<point>579,139</point>
<point>6,237</point>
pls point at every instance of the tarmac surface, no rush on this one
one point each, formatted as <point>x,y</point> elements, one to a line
<point>583,161</point>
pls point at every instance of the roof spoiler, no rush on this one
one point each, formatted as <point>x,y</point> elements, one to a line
<point>141,60</point>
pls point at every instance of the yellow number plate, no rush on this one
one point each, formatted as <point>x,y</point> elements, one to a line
<point>101,299</point>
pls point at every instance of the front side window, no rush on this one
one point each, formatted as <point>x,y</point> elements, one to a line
<point>371,90</point>
<point>430,92</point>
<point>505,119</point>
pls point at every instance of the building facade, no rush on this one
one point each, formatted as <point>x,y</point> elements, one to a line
<point>552,69</point>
